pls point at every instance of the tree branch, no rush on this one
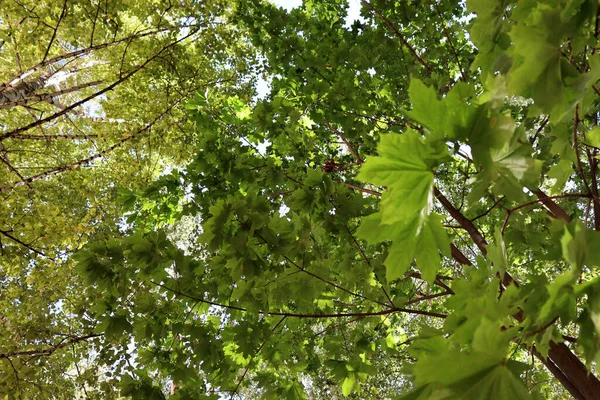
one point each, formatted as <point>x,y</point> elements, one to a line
<point>90,49</point>
<point>106,89</point>
<point>310,316</point>
<point>554,208</point>
<point>466,223</point>
<point>348,145</point>
<point>14,239</point>
<point>48,351</point>
<point>95,156</point>
<point>397,33</point>
<point>55,30</point>
<point>44,96</point>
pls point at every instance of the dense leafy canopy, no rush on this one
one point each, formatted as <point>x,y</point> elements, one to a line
<point>412,212</point>
<point>76,126</point>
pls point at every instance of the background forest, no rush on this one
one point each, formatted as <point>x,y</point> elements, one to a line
<point>234,200</point>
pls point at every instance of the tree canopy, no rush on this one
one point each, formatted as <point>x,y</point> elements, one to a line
<point>412,212</point>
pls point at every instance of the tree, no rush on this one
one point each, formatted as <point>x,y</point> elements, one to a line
<point>411,213</point>
<point>92,97</point>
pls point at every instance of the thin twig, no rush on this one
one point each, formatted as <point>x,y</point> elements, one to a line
<point>397,33</point>
<point>309,316</point>
<point>14,239</point>
<point>48,351</point>
<point>463,77</point>
<point>55,30</point>
<point>364,256</point>
<point>539,200</point>
<point>255,354</point>
<point>489,209</point>
<point>576,147</point>
<point>348,145</point>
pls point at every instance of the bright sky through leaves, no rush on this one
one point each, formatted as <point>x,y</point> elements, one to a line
<point>413,211</point>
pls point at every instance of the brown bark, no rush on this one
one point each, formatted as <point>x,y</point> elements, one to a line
<point>561,362</point>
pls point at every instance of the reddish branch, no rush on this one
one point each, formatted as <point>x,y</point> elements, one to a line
<point>397,33</point>
<point>541,200</point>
<point>348,145</point>
<point>466,223</point>
<point>554,208</point>
<point>561,361</point>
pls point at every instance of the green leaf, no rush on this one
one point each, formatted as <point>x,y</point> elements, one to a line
<point>593,136</point>
<point>452,367</point>
<point>427,392</point>
<point>427,109</point>
<point>497,253</point>
<point>349,385</point>
<point>405,166</point>
<point>409,241</point>
<point>498,383</point>
<point>575,244</point>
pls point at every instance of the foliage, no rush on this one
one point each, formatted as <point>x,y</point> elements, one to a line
<point>92,101</point>
<point>412,213</point>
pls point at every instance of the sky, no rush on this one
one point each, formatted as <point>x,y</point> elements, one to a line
<point>263,86</point>
<point>353,12</point>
